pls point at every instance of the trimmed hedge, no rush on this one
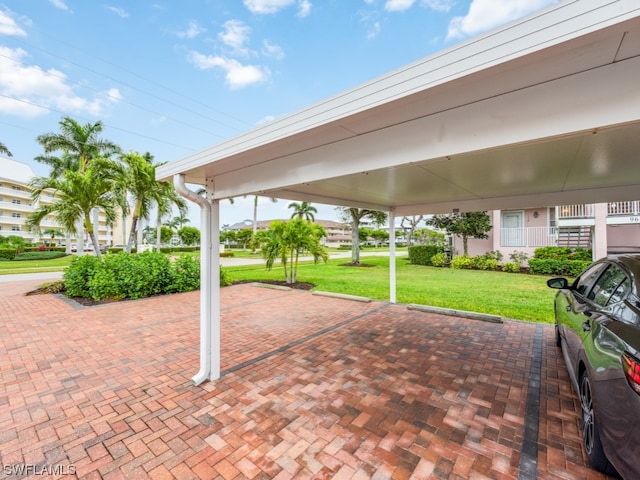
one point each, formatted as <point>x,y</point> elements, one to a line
<point>8,253</point>
<point>560,261</point>
<point>422,254</point>
<point>550,266</point>
<point>39,255</point>
<point>123,275</point>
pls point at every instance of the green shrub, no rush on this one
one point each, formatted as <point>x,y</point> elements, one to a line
<point>8,253</point>
<point>518,257</point>
<point>462,262</point>
<point>39,255</point>
<point>227,254</point>
<point>186,274</point>
<point>511,267</point>
<point>563,253</point>
<point>78,275</point>
<point>570,268</point>
<point>439,259</point>
<point>225,279</point>
<point>422,254</point>
<point>560,261</point>
<point>482,262</point>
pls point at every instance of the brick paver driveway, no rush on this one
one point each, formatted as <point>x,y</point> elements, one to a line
<point>312,387</point>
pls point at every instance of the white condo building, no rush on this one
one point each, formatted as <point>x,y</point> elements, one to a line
<point>16,205</point>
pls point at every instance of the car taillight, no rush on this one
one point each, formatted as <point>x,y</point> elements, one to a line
<point>631,367</point>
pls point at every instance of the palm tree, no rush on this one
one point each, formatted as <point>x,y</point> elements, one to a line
<point>140,182</point>
<point>77,194</point>
<point>52,233</point>
<point>286,241</point>
<point>303,210</point>
<point>79,144</point>
<point>81,141</point>
<point>5,150</point>
<point>180,220</point>
<point>165,199</point>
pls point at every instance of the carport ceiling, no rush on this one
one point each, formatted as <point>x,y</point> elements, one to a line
<point>543,111</point>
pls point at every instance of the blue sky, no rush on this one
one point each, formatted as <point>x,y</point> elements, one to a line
<point>171,78</point>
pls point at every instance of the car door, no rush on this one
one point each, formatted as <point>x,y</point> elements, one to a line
<point>573,316</point>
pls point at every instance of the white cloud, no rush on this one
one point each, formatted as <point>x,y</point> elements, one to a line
<point>398,5</point>
<point>270,50</point>
<point>121,12</point>
<point>374,30</point>
<point>59,4</point>
<point>8,26</point>
<point>304,8</point>
<point>192,31</point>
<point>30,86</point>
<point>438,5</point>
<point>235,35</point>
<point>237,75</point>
<point>263,7</point>
<point>486,14</point>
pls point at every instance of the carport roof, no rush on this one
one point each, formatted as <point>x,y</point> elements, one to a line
<point>542,111</point>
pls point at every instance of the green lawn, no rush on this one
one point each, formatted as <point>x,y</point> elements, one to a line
<point>523,297</point>
<point>32,266</point>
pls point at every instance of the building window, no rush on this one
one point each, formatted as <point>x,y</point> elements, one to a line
<point>553,222</point>
<point>16,201</point>
<point>15,187</point>
<point>16,215</point>
<point>15,228</point>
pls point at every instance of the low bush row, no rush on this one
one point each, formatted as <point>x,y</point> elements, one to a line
<point>124,275</point>
<point>545,261</point>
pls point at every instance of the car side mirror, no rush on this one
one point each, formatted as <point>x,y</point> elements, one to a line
<point>558,282</point>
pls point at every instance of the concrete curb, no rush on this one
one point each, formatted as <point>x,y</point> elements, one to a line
<point>485,317</point>
<point>269,285</point>
<point>343,296</point>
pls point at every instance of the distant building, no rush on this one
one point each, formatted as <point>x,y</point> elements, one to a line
<point>606,228</point>
<point>337,233</point>
<point>16,205</point>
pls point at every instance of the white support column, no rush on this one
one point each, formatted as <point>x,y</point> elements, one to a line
<point>214,290</point>
<point>209,280</point>
<point>599,240</point>
<point>392,256</point>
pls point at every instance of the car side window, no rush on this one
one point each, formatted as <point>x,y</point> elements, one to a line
<point>584,281</point>
<point>610,287</point>
<point>620,292</point>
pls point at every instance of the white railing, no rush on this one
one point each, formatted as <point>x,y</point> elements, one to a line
<point>623,208</point>
<point>588,210</point>
<point>529,237</point>
<point>576,211</point>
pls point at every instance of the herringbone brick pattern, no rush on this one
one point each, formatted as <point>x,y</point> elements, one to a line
<point>342,390</point>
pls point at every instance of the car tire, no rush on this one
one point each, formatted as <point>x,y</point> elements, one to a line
<point>558,339</point>
<point>590,431</point>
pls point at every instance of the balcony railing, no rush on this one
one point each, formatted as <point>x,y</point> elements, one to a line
<point>576,211</point>
<point>588,210</point>
<point>623,208</point>
<point>529,237</point>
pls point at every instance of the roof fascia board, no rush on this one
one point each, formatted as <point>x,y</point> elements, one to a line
<point>565,106</point>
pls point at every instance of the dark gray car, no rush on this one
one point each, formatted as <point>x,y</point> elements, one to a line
<point>598,328</point>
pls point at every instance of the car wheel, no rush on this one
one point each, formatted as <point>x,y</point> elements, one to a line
<point>590,434</point>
